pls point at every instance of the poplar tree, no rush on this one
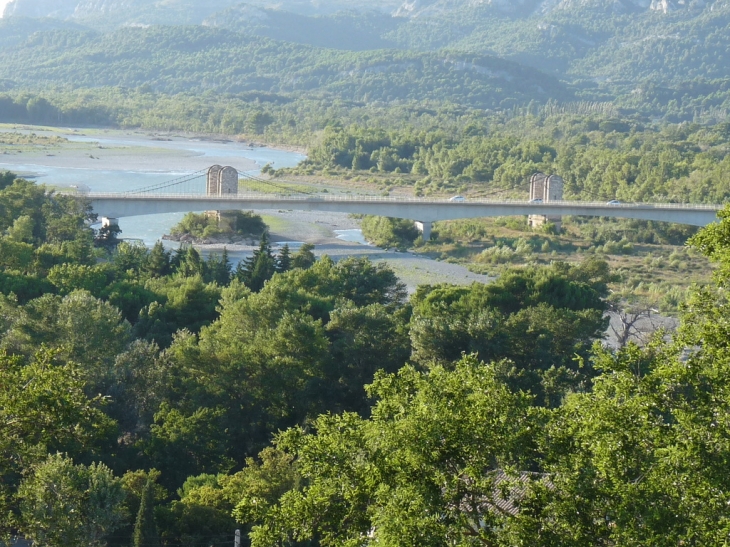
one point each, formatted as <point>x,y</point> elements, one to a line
<point>145,527</point>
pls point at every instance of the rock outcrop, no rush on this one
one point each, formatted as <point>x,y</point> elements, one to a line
<point>434,8</point>
<point>60,9</point>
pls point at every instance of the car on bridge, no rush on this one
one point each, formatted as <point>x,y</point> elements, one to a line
<point>458,198</point>
<point>536,200</point>
<point>613,202</point>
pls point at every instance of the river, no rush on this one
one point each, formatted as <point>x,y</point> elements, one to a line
<point>123,161</point>
<point>113,161</point>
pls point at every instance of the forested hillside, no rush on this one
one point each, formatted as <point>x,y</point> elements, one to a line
<point>195,59</point>
<point>663,59</point>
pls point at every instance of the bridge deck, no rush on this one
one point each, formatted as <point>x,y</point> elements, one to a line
<point>117,205</point>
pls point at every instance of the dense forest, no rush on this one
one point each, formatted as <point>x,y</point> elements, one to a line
<point>598,157</point>
<point>664,62</point>
<point>470,415</point>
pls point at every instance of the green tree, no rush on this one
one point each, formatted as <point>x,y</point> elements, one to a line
<point>80,329</point>
<point>22,229</point>
<point>65,504</point>
<point>158,261</point>
<point>180,303</point>
<point>284,260</point>
<point>304,257</point>
<point>43,408</point>
<point>191,265</point>
<point>434,465</point>
<point>218,268</point>
<point>257,269</point>
<point>71,277</point>
<point>389,232</point>
<point>6,179</point>
<point>539,319</point>
<point>145,527</point>
<point>107,236</point>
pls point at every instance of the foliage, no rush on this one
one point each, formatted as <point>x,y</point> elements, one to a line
<point>262,66</point>
<point>205,226</point>
<point>65,504</point>
<point>537,319</point>
<point>429,462</point>
<point>257,269</point>
<point>145,527</point>
<point>389,232</point>
<point>684,163</point>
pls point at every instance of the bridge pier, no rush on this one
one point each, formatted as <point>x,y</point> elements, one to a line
<point>425,229</point>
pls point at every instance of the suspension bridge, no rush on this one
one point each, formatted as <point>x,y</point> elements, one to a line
<point>224,189</point>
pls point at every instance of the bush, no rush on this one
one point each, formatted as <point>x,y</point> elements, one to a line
<point>204,226</point>
<point>389,232</point>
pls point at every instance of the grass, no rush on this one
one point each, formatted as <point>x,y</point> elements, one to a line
<point>276,224</point>
<point>279,188</point>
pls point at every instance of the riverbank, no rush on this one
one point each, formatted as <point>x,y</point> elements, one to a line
<point>297,227</point>
<point>116,150</point>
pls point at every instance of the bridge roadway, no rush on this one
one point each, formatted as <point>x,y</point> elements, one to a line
<point>423,210</point>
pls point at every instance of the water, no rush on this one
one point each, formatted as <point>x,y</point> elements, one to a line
<point>149,228</point>
<point>353,236</point>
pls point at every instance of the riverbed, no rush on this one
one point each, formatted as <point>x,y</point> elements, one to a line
<point>106,160</point>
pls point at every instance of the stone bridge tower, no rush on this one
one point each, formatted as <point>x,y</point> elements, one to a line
<point>545,188</point>
<point>222,181</point>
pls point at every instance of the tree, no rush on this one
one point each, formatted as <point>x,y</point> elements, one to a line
<point>130,258</point>
<point>80,328</point>
<point>22,229</point>
<point>64,504</point>
<point>632,321</point>
<point>284,260</point>
<point>434,465</point>
<point>641,458</point>
<point>145,527</point>
<point>6,179</point>
<point>158,261</point>
<point>180,303</point>
<point>257,269</point>
<point>389,232</point>
<point>538,319</point>
<point>304,258</point>
<point>191,265</point>
<point>43,408</point>
<point>218,268</point>
<point>107,236</point>
<point>363,341</point>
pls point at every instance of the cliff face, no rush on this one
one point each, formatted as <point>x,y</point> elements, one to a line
<point>109,14</point>
<point>181,10</point>
<point>60,9</point>
<point>176,11</point>
<point>430,8</point>
<point>85,8</point>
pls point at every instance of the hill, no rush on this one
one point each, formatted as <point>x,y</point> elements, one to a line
<point>197,59</point>
<point>114,13</point>
<point>350,30</point>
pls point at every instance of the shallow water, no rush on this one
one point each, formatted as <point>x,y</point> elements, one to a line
<point>353,236</point>
<point>151,228</point>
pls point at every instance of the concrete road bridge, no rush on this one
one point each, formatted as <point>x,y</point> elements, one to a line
<point>167,198</point>
<point>424,211</point>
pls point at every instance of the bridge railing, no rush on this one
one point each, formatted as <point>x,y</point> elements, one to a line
<point>395,199</point>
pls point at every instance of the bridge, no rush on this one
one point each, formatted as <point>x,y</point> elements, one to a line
<point>159,199</point>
